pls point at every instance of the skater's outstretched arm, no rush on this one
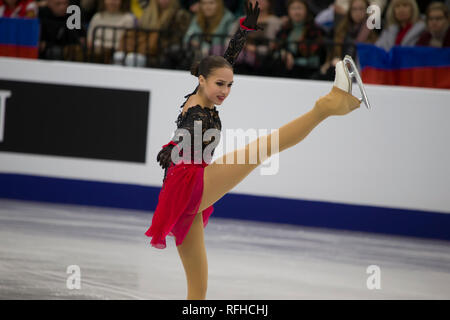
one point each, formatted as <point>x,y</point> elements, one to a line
<point>246,24</point>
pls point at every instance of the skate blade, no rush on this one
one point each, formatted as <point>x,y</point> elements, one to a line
<point>352,72</point>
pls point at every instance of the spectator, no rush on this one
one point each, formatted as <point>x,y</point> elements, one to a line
<point>174,20</point>
<point>190,5</point>
<point>318,6</point>
<point>169,21</point>
<point>352,29</point>
<point>300,41</point>
<point>57,41</point>
<point>235,6</point>
<point>113,13</point>
<point>18,9</point>
<point>438,31</point>
<point>404,26</point>
<point>423,4</point>
<point>90,7</point>
<point>257,42</point>
<point>380,3</point>
<point>280,8</point>
<point>212,21</point>
<point>41,3</point>
<point>331,16</point>
<point>137,7</point>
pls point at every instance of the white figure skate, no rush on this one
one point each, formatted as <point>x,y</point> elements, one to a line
<point>345,72</point>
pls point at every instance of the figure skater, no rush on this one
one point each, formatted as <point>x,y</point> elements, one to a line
<point>190,188</point>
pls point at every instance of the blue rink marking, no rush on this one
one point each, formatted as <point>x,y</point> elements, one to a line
<point>416,223</point>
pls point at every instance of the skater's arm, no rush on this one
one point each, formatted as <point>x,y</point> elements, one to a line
<point>246,24</point>
<point>235,45</point>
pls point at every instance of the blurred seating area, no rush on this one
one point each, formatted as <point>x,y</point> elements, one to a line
<point>300,38</point>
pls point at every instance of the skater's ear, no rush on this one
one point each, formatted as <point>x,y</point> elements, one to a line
<point>201,80</point>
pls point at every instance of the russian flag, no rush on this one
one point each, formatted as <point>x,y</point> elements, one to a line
<point>405,66</point>
<point>19,37</point>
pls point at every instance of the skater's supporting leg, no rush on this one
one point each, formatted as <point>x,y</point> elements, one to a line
<point>193,255</point>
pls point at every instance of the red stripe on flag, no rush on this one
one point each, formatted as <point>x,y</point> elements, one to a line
<point>7,50</point>
<point>429,77</point>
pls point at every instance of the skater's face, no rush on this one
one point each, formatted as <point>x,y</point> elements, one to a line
<point>217,86</point>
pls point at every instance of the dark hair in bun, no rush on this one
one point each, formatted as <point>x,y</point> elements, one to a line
<point>194,68</point>
<point>208,64</point>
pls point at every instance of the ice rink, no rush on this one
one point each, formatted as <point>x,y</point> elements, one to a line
<point>246,260</point>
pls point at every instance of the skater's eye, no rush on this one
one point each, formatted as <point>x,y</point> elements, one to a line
<point>221,84</point>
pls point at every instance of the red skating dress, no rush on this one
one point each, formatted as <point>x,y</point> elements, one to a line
<point>182,189</point>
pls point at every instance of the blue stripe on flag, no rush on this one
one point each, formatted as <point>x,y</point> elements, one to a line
<point>402,57</point>
<point>19,32</point>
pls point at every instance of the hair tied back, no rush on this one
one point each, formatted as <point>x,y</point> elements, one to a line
<point>195,68</point>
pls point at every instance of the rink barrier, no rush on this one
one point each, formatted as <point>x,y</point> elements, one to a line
<point>319,214</point>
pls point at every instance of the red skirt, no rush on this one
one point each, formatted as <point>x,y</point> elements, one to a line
<point>178,202</point>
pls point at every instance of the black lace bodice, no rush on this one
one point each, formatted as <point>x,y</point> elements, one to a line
<point>209,120</point>
<point>209,117</point>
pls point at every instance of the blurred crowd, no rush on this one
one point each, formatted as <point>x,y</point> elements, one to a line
<point>304,38</point>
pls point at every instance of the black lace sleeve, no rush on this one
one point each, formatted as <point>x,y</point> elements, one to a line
<point>235,45</point>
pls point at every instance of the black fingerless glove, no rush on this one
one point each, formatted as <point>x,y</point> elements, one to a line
<point>251,18</point>
<point>164,156</point>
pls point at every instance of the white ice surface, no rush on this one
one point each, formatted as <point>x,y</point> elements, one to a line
<point>246,260</point>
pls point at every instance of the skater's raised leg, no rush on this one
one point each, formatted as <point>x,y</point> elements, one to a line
<point>220,176</point>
